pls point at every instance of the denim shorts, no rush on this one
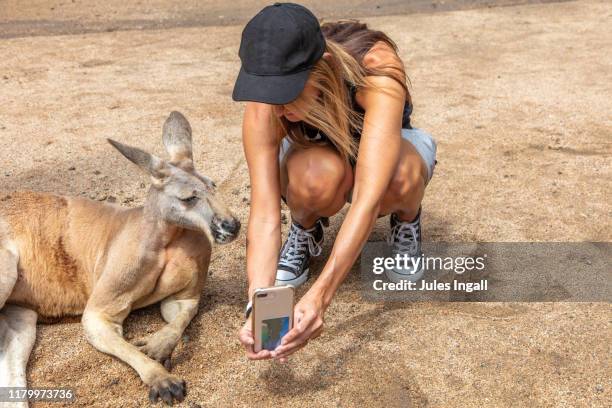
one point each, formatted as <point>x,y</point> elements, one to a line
<point>425,145</point>
<point>422,141</point>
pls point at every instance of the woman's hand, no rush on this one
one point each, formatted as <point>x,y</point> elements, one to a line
<point>308,325</point>
<point>246,338</point>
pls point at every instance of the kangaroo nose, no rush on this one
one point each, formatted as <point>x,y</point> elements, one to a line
<point>232,226</point>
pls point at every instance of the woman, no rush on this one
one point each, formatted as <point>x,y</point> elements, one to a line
<point>327,121</point>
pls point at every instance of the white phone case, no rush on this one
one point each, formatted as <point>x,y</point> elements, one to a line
<point>271,308</point>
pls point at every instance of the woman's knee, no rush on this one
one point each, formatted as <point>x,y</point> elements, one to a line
<point>407,182</point>
<point>315,176</point>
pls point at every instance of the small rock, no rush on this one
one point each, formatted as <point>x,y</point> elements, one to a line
<point>599,388</point>
<point>283,218</point>
<point>235,191</point>
<point>589,262</point>
<point>71,168</point>
<point>111,199</point>
<point>5,77</point>
<point>142,185</point>
<point>97,172</point>
<point>194,405</point>
<point>102,198</point>
<point>114,381</point>
<point>186,339</point>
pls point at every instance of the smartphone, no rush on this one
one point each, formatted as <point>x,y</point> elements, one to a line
<point>272,316</point>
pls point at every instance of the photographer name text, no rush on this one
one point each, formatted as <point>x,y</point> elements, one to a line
<point>430,286</point>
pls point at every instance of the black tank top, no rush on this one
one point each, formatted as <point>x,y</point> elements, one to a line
<point>317,136</point>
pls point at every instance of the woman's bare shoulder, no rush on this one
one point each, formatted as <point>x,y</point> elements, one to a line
<point>382,55</point>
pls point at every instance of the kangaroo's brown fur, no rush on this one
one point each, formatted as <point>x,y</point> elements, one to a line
<point>64,256</point>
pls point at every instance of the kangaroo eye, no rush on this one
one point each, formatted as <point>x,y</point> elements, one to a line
<point>190,200</point>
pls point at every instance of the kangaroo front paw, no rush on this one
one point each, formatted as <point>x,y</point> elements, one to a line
<point>158,346</point>
<point>169,388</point>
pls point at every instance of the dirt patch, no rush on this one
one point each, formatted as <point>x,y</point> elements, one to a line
<point>59,17</point>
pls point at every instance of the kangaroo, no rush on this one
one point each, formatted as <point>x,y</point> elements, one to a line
<point>63,256</point>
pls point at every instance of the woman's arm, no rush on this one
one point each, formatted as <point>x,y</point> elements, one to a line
<point>261,146</point>
<point>379,150</point>
<point>383,102</point>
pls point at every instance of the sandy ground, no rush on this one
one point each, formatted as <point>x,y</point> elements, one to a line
<point>518,99</point>
<point>45,17</point>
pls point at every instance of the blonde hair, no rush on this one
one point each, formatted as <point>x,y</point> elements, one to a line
<point>332,111</point>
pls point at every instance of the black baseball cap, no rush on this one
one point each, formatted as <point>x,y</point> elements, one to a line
<point>279,47</point>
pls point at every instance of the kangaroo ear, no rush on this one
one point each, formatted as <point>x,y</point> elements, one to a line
<point>177,139</point>
<point>153,165</point>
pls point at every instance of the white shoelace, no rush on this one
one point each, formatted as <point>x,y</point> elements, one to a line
<point>298,242</point>
<point>404,238</point>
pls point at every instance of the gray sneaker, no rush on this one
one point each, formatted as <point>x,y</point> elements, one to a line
<point>295,255</point>
<point>405,239</point>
